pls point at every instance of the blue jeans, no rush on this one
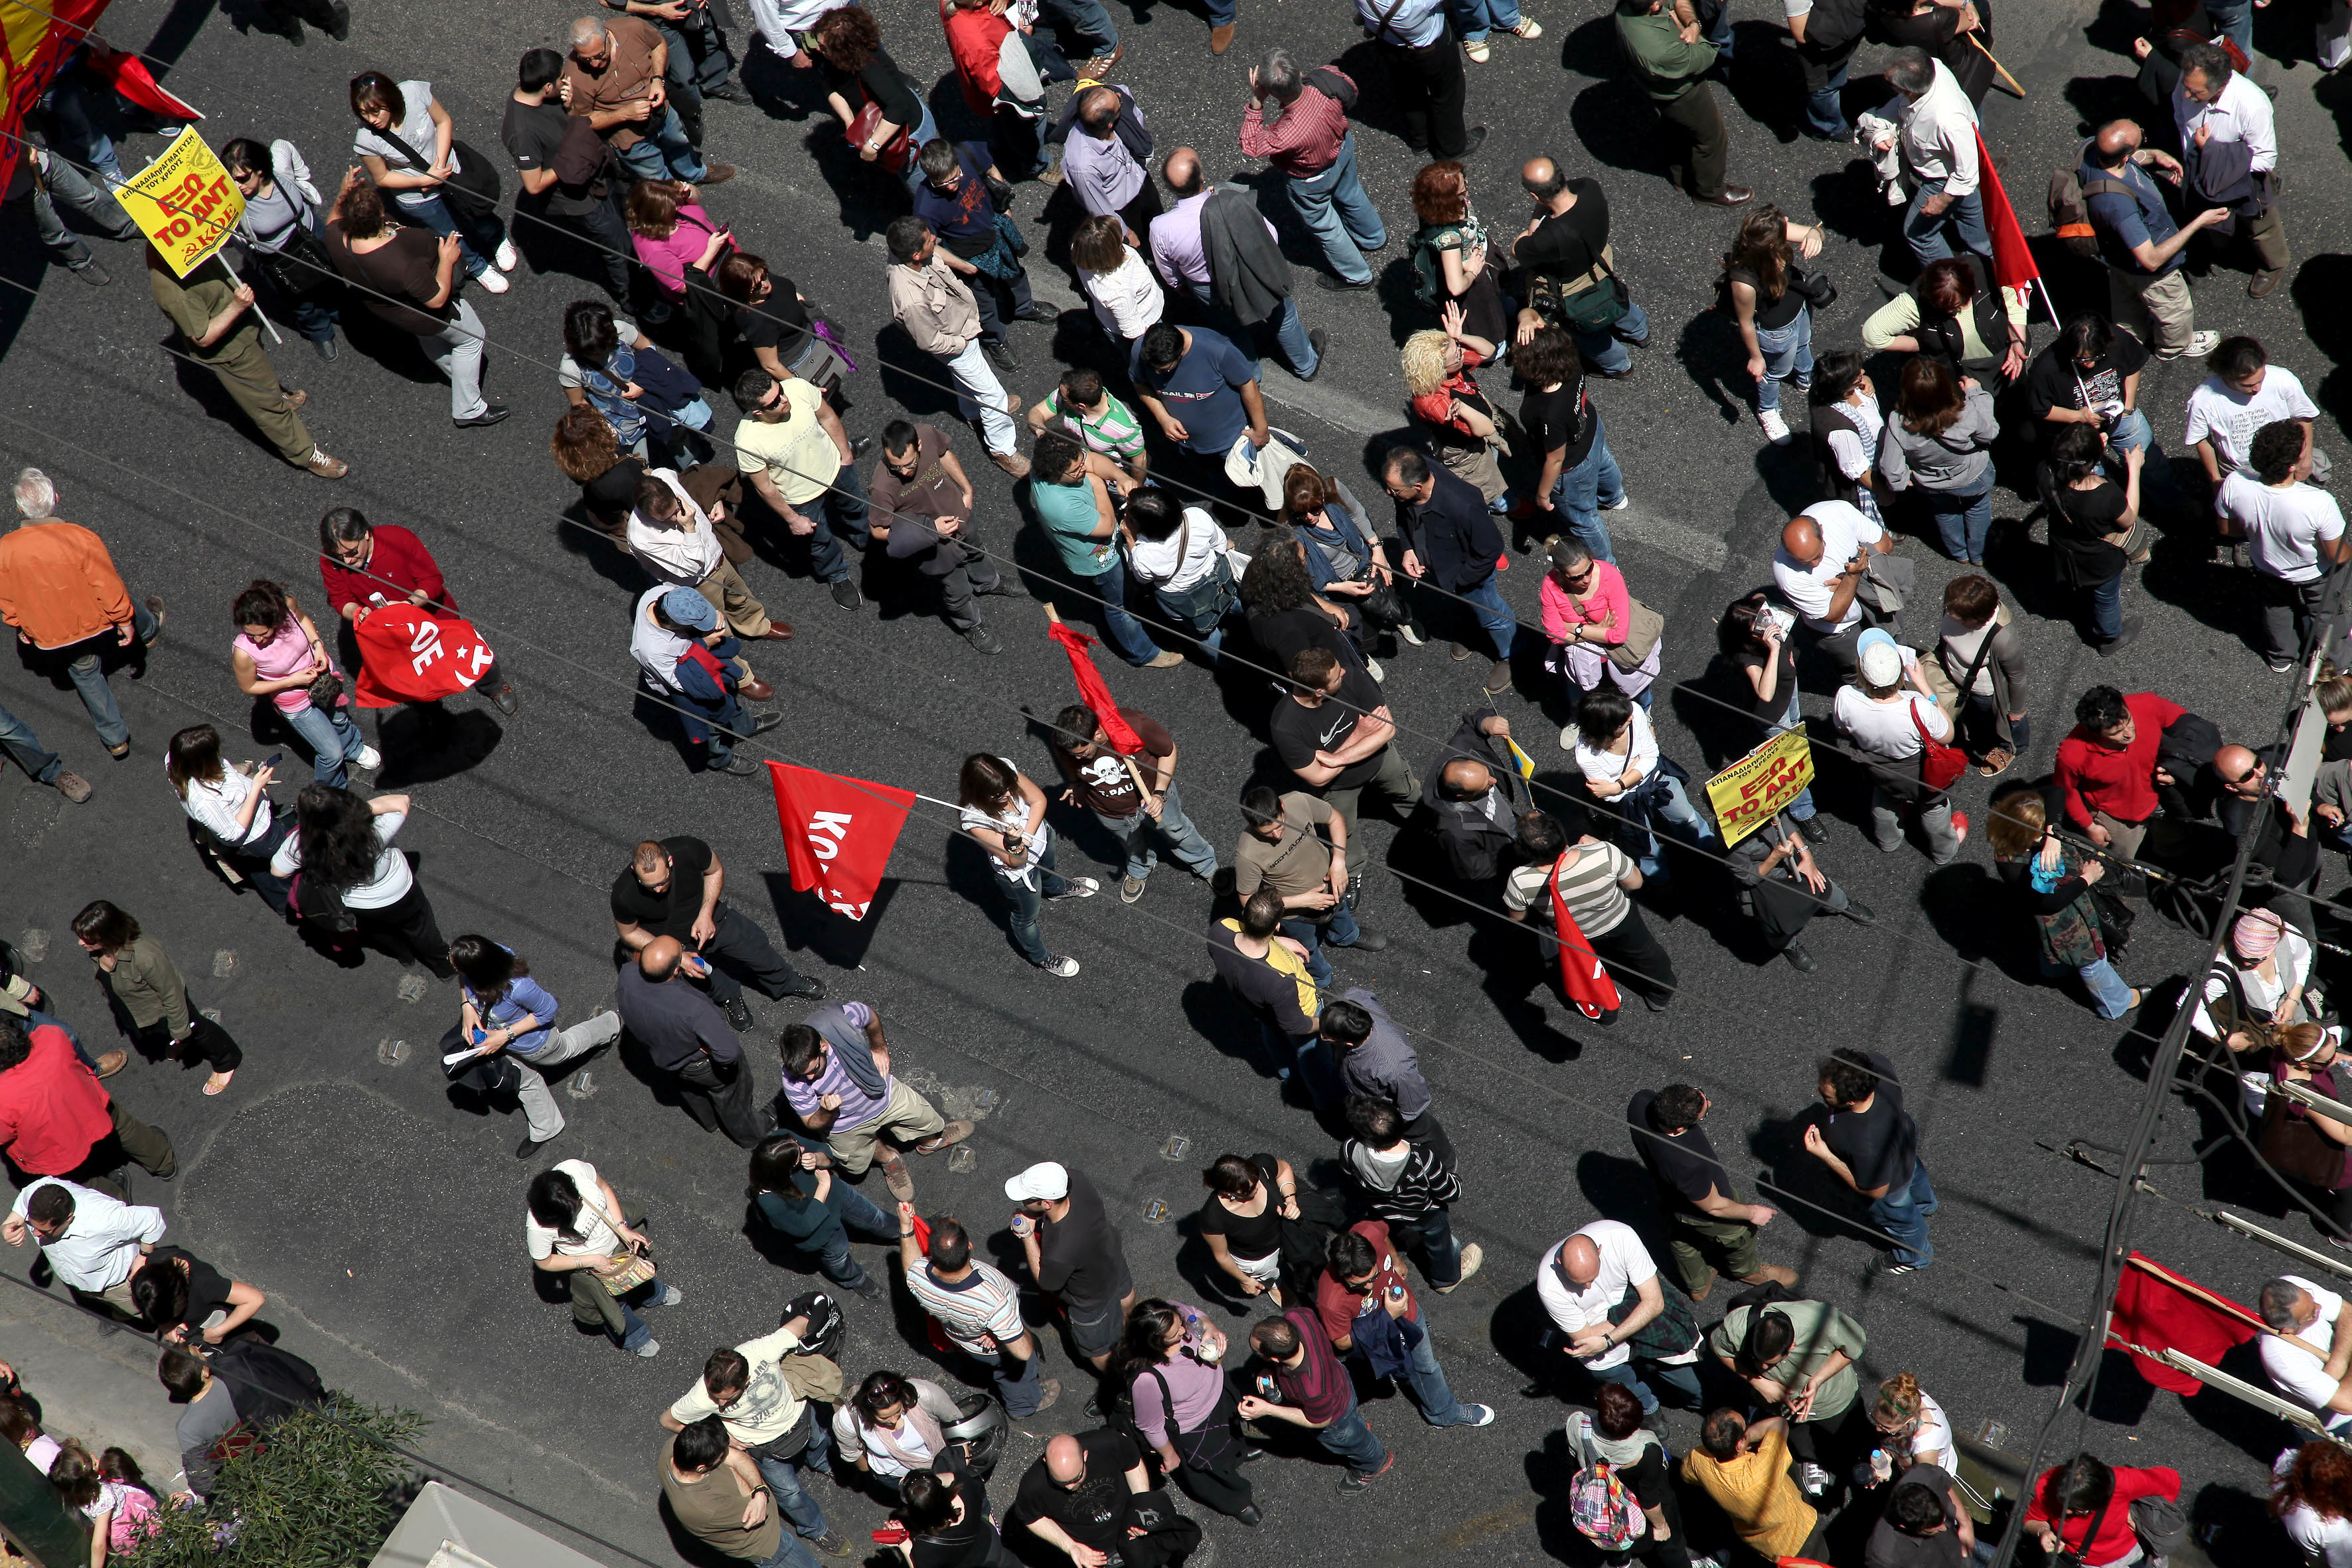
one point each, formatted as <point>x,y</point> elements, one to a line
<point>333,741</point>
<point>1441,1254</point>
<point>1802,808</point>
<point>1582,490</point>
<point>1341,930</point>
<point>1604,351</point>
<point>479,242</point>
<point>1903,1215</point>
<point>662,152</point>
<point>1028,903</point>
<point>1485,602</point>
<point>1963,518</point>
<point>912,174</point>
<point>2107,608</point>
<point>1923,231</point>
<point>1663,801</point>
<point>2110,997</point>
<point>1303,1058</point>
<point>2132,433</point>
<point>87,672</point>
<point>35,1018</point>
<point>1126,633</point>
<point>1223,11</point>
<point>1098,33</point>
<point>79,136</point>
<point>2233,19</point>
<point>1335,209</point>
<point>726,727</point>
<point>1683,1379</point>
<point>1824,106</point>
<point>1787,353</point>
<point>1474,19</point>
<point>791,1552</point>
<point>1290,336</point>
<point>804,1512</point>
<point>1349,1438</point>
<point>1134,834</point>
<point>1438,1405</point>
<point>859,1214</point>
<point>25,749</point>
<point>1196,609</point>
<point>836,514</point>
<point>1023,1389</point>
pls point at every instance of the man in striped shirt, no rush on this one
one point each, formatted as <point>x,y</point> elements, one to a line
<point>1310,144</point>
<point>1593,878</point>
<point>977,1309</point>
<point>1104,426</point>
<point>837,1080</point>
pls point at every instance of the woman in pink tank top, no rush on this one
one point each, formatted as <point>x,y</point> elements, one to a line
<point>278,653</point>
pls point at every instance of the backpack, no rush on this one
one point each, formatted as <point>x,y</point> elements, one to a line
<point>1604,1512</point>
<point>2070,207</point>
<point>265,1384</point>
<point>1335,85</point>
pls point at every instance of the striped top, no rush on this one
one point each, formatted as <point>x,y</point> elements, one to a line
<point>857,1106</point>
<point>982,1303</point>
<point>1589,885</point>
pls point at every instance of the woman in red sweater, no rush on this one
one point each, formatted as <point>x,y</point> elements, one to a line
<point>2092,1498</point>
<point>365,566</point>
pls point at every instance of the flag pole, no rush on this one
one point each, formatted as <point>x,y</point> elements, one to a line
<point>1053,617</point>
<point>2008,80</point>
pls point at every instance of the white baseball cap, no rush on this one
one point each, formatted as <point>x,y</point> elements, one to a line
<point>1043,1180</point>
<point>1881,665</point>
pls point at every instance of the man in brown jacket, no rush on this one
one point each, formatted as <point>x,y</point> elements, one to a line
<point>941,317</point>
<point>59,589</point>
<point>615,80</point>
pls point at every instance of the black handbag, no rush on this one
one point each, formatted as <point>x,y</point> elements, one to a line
<point>300,266</point>
<point>1817,290</point>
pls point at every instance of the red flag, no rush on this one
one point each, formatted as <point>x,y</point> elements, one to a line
<point>34,42</point>
<point>2012,260</point>
<point>1588,985</point>
<point>1093,692</point>
<point>838,833</point>
<point>412,654</point>
<point>2158,1309</point>
<point>131,79</point>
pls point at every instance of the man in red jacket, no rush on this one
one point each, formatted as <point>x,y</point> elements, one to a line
<point>2106,765</point>
<point>57,1121</point>
<point>365,566</point>
<point>976,31</point>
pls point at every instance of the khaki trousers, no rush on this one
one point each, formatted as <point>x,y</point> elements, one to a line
<point>2158,312</point>
<point>731,597</point>
<point>247,376</point>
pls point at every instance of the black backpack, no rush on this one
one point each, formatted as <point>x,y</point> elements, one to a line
<point>1329,81</point>
<point>266,1384</point>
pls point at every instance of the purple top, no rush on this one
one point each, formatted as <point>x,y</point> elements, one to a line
<point>1195,1385</point>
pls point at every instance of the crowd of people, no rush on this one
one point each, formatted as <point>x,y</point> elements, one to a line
<point>1203,533</point>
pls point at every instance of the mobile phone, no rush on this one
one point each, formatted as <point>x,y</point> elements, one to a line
<point>273,759</point>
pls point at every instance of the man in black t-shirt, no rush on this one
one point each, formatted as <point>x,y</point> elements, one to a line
<point>1333,730</point>
<point>1075,1254</point>
<point>1924,1525</point>
<point>1564,241</point>
<point>670,888</point>
<point>1092,1491</point>
<point>2090,375</point>
<point>1872,1145</point>
<point>567,167</point>
<point>1712,1228</point>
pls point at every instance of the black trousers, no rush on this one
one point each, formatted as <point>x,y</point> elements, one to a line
<point>1698,147</point>
<point>1211,1452</point>
<point>721,1098</point>
<point>207,1042</point>
<point>1835,1443</point>
<point>743,948</point>
<point>1634,957</point>
<point>602,231</point>
<point>1431,94</point>
<point>408,927</point>
<point>976,574</point>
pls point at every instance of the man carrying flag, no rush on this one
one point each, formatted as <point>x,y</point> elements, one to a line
<point>1594,923</point>
<point>1937,133</point>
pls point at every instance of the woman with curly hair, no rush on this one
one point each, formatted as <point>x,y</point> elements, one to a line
<point>1449,253</point>
<point>1464,428</point>
<point>859,73</point>
<point>1760,278</point>
<point>1288,616</point>
<point>2313,1499</point>
<point>354,883</point>
<point>590,455</point>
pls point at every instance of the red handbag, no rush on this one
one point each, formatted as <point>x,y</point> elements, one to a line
<point>1940,765</point>
<point>897,152</point>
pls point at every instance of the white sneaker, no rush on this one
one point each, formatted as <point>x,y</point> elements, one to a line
<point>1620,504</point>
<point>495,281</point>
<point>1080,888</point>
<point>1776,429</point>
<point>369,758</point>
<point>650,1347</point>
<point>506,259</point>
<point>1410,634</point>
<point>2203,343</point>
<point>1813,1478</point>
<point>1064,967</point>
<point>671,1297</point>
<point>1372,667</point>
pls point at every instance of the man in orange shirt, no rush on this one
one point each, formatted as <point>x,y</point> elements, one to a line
<point>59,589</point>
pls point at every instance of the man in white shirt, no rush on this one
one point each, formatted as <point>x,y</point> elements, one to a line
<point>1582,1279</point>
<point>766,1417</point>
<point>1938,137</point>
<point>673,540</point>
<point>2245,393</point>
<point>1827,554</point>
<point>2294,531</point>
<point>2305,1355</point>
<point>2229,143</point>
<point>1891,724</point>
<point>92,1242</point>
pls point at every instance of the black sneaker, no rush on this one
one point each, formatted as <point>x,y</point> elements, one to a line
<point>764,722</point>
<point>1799,959</point>
<point>1335,284</point>
<point>1859,913</point>
<point>2115,645</point>
<point>982,640</point>
<point>1316,340</point>
<point>1356,1480</point>
<point>810,989</point>
<point>1367,941</point>
<point>845,594</point>
<point>739,1014</point>
<point>1001,356</point>
<point>1477,140</point>
<point>531,1146</point>
<point>832,1545</point>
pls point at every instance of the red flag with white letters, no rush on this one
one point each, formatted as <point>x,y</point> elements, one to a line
<point>412,654</point>
<point>838,833</point>
<point>1589,986</point>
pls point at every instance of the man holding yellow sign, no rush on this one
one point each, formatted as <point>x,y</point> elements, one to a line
<point>1782,886</point>
<point>187,204</point>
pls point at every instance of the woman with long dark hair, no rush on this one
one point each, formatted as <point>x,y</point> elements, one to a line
<point>894,1425</point>
<point>1760,278</point>
<point>113,1497</point>
<point>1346,566</point>
<point>354,881</point>
<point>1940,439</point>
<point>2096,529</point>
<point>795,1191</point>
<point>134,970</point>
<point>1845,426</point>
<point>2055,883</point>
<point>2085,1508</point>
<point>945,1510</point>
<point>503,1011</point>
<point>408,145</point>
<point>278,653</point>
<point>230,808</point>
<point>775,328</point>
<point>1171,1359</point>
<point>1286,616</point>
<point>1005,812</point>
<point>574,1229</point>
<point>1617,752</point>
<point>189,1302</point>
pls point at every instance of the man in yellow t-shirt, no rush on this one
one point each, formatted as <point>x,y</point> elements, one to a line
<point>1744,1466</point>
<point>792,449</point>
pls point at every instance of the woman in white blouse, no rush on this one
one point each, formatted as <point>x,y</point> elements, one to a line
<point>2313,1499</point>
<point>231,807</point>
<point>1617,752</point>
<point>1180,551</point>
<point>893,1425</point>
<point>1118,283</point>
<point>343,846</point>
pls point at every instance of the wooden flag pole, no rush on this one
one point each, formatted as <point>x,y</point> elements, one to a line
<point>1055,617</point>
<point>2007,81</point>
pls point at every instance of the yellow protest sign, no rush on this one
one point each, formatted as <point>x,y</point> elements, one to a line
<point>1747,794</point>
<point>184,202</point>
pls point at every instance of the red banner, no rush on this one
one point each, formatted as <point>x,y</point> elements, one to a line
<point>412,655</point>
<point>134,81</point>
<point>34,41</point>
<point>1587,986</point>
<point>2158,1309</point>
<point>838,833</point>
<point>1097,696</point>
<point>2012,260</point>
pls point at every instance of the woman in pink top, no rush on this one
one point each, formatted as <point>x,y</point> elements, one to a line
<point>278,653</point>
<point>1586,613</point>
<point>1174,1359</point>
<point>680,245</point>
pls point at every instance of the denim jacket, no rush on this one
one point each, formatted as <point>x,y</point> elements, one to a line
<point>1346,531</point>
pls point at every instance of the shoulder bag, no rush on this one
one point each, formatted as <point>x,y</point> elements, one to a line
<point>1644,627</point>
<point>1594,301</point>
<point>637,1259</point>
<point>1941,764</point>
<point>326,689</point>
<point>897,152</point>
<point>2064,1557</point>
<point>1817,290</point>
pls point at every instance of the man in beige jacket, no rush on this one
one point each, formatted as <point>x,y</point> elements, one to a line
<point>939,314</point>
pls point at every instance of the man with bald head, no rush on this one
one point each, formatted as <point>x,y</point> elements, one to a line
<point>1838,569</point>
<point>1105,160</point>
<point>684,1034</point>
<point>2284,845</point>
<point>1476,806</point>
<point>1586,1279</point>
<point>671,887</point>
<point>1565,249</point>
<point>1090,1499</point>
<point>2148,290</point>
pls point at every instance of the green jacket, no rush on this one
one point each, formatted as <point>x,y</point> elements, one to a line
<point>1821,1330</point>
<point>148,984</point>
<point>1665,66</point>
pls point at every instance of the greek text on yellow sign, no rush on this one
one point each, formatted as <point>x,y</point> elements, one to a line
<point>184,201</point>
<point>1747,794</point>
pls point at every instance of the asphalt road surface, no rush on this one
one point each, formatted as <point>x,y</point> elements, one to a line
<point>383,1216</point>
